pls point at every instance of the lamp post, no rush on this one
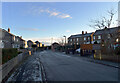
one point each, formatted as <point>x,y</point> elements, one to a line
<point>65,43</point>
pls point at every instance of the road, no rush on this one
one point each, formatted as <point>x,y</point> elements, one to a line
<point>61,67</point>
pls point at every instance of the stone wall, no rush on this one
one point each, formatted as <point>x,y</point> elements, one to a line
<point>7,67</point>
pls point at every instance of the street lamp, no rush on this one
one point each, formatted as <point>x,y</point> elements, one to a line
<point>65,43</point>
<point>65,39</point>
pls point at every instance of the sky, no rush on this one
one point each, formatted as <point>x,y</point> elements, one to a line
<point>48,22</point>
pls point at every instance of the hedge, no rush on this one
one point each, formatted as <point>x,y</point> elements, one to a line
<point>8,54</point>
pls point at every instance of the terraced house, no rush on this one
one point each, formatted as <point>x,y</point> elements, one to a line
<point>84,38</point>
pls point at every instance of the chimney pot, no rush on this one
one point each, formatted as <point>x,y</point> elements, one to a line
<point>86,32</point>
<point>105,27</point>
<point>8,30</point>
<point>82,32</point>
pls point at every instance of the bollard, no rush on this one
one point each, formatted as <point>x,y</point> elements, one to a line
<point>29,52</point>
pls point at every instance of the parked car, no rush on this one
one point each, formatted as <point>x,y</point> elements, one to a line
<point>78,50</point>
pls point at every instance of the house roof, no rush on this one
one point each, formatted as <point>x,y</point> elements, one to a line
<point>88,34</point>
<point>7,32</point>
<point>12,34</point>
<point>55,43</point>
<point>80,35</point>
<point>37,42</point>
<point>107,31</point>
<point>30,41</point>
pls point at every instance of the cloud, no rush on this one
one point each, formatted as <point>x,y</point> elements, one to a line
<point>64,16</point>
<point>67,31</point>
<point>33,29</point>
<point>53,12</point>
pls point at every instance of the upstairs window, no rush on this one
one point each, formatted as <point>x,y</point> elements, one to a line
<point>94,37</point>
<point>88,38</point>
<point>74,39</point>
<point>99,37</point>
<point>108,36</point>
<point>17,39</point>
<point>77,39</point>
<point>14,38</point>
<point>84,38</point>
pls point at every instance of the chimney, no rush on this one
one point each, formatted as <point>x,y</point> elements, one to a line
<point>82,32</point>
<point>8,30</point>
<point>86,32</point>
<point>105,27</point>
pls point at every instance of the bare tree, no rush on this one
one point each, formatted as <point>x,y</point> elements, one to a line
<point>61,41</point>
<point>104,21</point>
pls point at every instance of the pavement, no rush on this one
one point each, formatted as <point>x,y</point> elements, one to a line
<point>62,67</point>
<point>30,70</point>
<point>91,59</point>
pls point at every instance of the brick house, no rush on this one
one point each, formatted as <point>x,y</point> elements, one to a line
<point>107,38</point>
<point>88,38</point>
<point>84,38</point>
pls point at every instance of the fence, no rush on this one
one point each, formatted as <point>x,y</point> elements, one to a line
<point>110,57</point>
<point>7,67</point>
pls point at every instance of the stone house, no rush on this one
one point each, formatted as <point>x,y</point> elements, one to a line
<point>8,40</point>
<point>30,43</point>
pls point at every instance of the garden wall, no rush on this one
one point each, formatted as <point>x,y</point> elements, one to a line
<point>7,67</point>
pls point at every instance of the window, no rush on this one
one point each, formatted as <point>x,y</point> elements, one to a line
<point>1,44</point>
<point>74,39</point>
<point>14,38</point>
<point>70,39</point>
<point>99,37</point>
<point>84,38</point>
<point>94,37</point>
<point>108,35</point>
<point>17,40</point>
<point>88,38</point>
<point>77,39</point>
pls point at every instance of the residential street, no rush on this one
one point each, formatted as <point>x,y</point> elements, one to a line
<point>60,67</point>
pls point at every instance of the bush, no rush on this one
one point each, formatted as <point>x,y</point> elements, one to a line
<point>21,48</point>
<point>8,54</point>
<point>19,52</point>
<point>117,50</point>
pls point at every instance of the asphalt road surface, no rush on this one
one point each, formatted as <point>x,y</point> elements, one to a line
<point>61,67</point>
